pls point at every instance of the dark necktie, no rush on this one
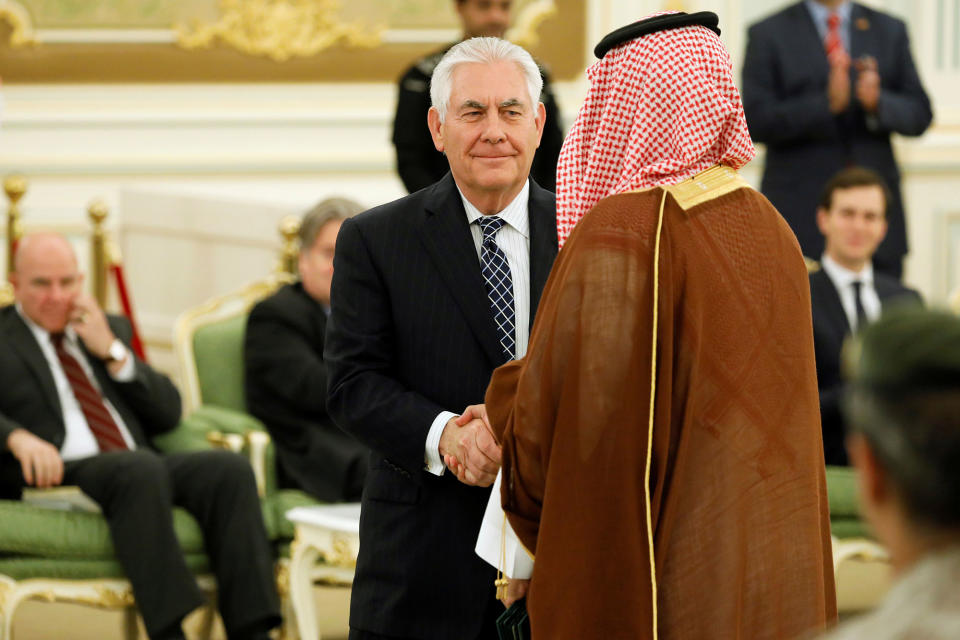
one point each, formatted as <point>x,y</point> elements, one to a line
<point>499,282</point>
<point>858,301</point>
<point>101,423</point>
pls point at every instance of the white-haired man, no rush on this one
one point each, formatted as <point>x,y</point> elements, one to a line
<point>430,293</point>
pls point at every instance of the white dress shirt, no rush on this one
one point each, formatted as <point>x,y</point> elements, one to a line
<point>79,441</point>
<point>514,240</point>
<point>843,280</point>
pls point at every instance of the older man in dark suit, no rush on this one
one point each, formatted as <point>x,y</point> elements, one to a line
<point>430,293</point>
<point>286,378</point>
<point>825,84</point>
<point>77,407</point>
<point>847,293</point>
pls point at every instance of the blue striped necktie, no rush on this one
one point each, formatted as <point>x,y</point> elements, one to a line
<point>499,283</point>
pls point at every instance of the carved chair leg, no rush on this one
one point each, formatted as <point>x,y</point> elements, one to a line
<point>288,628</point>
<point>7,606</point>
<point>303,559</point>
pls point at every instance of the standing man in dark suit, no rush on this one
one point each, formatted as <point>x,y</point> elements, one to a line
<point>825,84</point>
<point>77,408</point>
<point>418,162</point>
<point>286,378</point>
<point>430,293</point>
<point>847,292</point>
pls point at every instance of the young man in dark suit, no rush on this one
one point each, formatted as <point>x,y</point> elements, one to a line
<point>430,293</point>
<point>77,408</point>
<point>286,378</point>
<point>846,293</point>
<point>825,84</point>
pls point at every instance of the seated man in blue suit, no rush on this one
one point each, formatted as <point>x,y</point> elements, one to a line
<point>846,293</point>
<point>825,84</point>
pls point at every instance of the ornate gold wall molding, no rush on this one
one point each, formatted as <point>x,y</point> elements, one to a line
<point>525,30</point>
<point>242,41</point>
<point>278,29</point>
<point>15,15</point>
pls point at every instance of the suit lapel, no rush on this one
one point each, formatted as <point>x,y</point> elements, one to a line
<point>833,308</point>
<point>543,242</point>
<point>861,40</point>
<point>24,343</point>
<point>807,41</point>
<point>446,235</point>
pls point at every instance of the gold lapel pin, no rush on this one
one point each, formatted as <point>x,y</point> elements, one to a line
<point>863,24</point>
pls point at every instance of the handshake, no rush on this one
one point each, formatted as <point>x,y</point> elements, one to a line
<point>470,449</point>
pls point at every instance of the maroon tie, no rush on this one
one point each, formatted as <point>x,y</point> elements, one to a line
<point>101,423</point>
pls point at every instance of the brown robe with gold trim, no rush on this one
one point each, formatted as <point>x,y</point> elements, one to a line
<point>737,494</point>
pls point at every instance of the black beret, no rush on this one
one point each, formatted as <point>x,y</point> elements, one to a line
<point>666,21</point>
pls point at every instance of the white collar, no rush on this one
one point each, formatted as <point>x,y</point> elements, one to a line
<point>514,214</point>
<point>843,277</point>
<point>821,13</point>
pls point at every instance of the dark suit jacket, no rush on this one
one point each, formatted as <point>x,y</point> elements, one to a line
<point>830,329</point>
<point>286,388</point>
<point>418,161</point>
<point>785,98</point>
<point>149,404</point>
<point>411,335</point>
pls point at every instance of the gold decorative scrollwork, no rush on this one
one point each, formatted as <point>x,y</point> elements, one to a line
<point>282,574</point>
<point>15,15</point>
<point>5,589</point>
<point>107,597</point>
<point>341,552</point>
<point>524,30</point>
<point>113,598</point>
<point>278,29</point>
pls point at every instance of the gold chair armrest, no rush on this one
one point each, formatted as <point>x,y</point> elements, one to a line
<point>227,441</point>
<point>257,443</point>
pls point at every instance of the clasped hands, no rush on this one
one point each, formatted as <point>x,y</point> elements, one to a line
<point>867,87</point>
<point>469,448</point>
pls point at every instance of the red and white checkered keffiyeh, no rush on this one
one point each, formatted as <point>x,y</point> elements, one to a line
<point>660,109</point>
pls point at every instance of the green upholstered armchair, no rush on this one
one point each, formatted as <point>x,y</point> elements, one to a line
<point>861,565</point>
<point>67,556</point>
<point>209,344</point>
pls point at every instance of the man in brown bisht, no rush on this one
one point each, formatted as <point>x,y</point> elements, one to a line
<point>662,453</point>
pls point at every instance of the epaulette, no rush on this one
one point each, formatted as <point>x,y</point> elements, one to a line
<point>427,64</point>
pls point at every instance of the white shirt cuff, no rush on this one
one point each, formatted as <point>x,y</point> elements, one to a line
<point>509,552</point>
<point>432,461</point>
<point>128,371</point>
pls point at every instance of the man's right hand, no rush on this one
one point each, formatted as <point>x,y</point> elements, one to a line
<point>41,462</point>
<point>475,450</point>
<point>838,83</point>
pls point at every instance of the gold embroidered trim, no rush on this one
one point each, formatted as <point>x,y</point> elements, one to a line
<point>705,186</point>
<point>653,394</point>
